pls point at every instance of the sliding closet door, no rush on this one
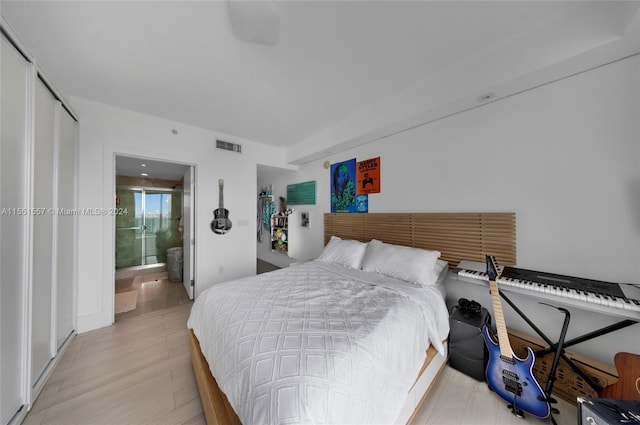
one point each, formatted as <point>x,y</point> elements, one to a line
<point>43,272</point>
<point>14,77</point>
<point>66,227</point>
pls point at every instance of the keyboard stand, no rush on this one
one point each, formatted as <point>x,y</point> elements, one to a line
<point>558,347</point>
<point>594,334</point>
<point>552,373</point>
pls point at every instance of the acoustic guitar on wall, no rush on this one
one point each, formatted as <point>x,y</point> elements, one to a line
<point>628,385</point>
<point>508,375</point>
<point>221,223</point>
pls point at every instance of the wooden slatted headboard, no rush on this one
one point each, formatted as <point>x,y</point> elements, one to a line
<point>458,236</point>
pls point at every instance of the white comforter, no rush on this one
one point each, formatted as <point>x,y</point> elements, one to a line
<point>318,343</point>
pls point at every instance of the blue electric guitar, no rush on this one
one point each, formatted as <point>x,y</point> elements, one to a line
<point>509,376</point>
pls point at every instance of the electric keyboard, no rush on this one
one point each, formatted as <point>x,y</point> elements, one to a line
<point>604,297</point>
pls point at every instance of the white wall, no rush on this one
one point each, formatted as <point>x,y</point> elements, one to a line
<point>564,156</point>
<point>106,131</point>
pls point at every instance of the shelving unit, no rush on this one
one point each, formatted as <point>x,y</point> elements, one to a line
<point>280,232</point>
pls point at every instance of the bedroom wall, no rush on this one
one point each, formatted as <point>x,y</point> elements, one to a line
<point>564,156</point>
<point>106,131</point>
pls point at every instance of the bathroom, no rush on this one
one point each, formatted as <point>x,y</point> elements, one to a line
<point>148,225</point>
<point>151,201</point>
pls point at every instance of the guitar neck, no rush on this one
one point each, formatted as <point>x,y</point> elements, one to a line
<point>501,327</point>
<point>220,197</point>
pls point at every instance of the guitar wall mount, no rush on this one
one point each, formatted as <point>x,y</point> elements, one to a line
<point>469,308</point>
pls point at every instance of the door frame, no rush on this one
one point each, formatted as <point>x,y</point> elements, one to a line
<point>193,216</point>
<point>188,239</point>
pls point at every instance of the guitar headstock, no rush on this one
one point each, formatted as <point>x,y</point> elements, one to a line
<point>492,268</point>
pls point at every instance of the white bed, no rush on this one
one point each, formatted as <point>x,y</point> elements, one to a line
<point>346,339</point>
<point>319,342</point>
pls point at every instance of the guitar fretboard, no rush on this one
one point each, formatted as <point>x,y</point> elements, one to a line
<point>501,328</point>
<point>220,194</point>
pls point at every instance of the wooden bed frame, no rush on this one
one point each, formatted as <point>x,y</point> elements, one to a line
<point>215,405</point>
<point>458,236</point>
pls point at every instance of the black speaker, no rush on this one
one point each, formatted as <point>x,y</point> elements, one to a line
<point>467,351</point>
<point>606,411</point>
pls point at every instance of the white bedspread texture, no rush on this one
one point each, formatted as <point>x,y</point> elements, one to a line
<point>318,343</point>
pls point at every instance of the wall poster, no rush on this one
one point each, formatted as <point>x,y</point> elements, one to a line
<point>343,186</point>
<point>362,203</point>
<point>368,177</point>
<point>301,193</point>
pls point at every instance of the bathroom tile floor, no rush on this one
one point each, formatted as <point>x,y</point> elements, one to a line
<point>155,292</point>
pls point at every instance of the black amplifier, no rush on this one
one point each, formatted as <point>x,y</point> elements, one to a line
<point>467,351</point>
<point>607,411</point>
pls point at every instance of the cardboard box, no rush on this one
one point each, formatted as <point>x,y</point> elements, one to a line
<point>568,384</point>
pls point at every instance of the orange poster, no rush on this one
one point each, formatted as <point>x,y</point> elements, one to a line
<point>368,176</point>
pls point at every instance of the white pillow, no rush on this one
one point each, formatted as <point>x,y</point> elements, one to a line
<point>346,252</point>
<point>402,262</point>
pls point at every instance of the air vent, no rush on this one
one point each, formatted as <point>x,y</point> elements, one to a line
<point>233,147</point>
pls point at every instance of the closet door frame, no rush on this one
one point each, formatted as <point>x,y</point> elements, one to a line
<point>29,390</point>
<point>67,239</point>
<point>43,255</point>
<point>55,351</point>
<point>24,367</point>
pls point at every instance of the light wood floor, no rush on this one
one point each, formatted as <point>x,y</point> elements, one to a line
<point>155,292</point>
<point>457,399</point>
<point>138,371</point>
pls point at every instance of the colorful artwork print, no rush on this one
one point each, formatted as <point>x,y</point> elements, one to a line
<point>343,186</point>
<point>368,178</point>
<point>362,203</point>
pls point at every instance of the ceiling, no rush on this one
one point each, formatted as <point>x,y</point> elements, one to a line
<point>137,167</point>
<point>332,67</point>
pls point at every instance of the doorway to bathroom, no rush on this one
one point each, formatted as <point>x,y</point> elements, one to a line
<point>154,237</point>
<point>150,226</point>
